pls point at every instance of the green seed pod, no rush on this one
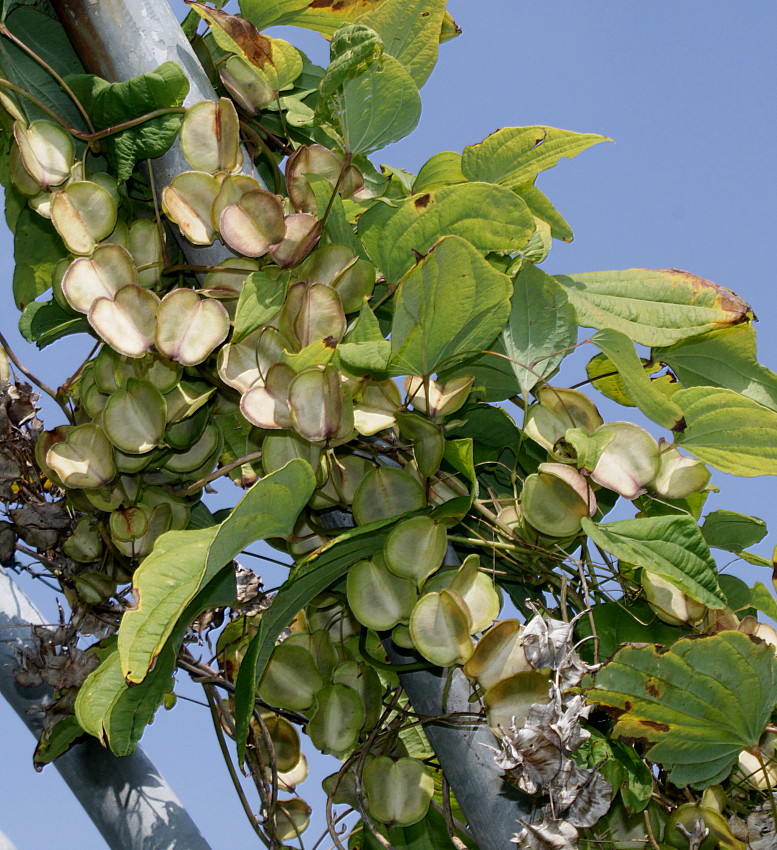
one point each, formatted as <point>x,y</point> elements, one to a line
<point>145,244</point>
<point>386,492</point>
<point>366,682</point>
<point>669,603</point>
<point>555,500</point>
<point>85,543</point>
<point>100,276</point>
<point>159,522</point>
<point>95,588</point>
<point>285,741</point>
<point>415,548</point>
<point>247,84</point>
<point>427,438</point>
<point>84,458</point>
<point>292,818</point>
<point>476,588</point>
<point>127,321</point>
<point>376,406</point>
<point>189,328</point>
<point>291,679</point>
<point>438,400</point>
<point>128,523</point>
<point>337,719</point>
<point>134,417</point>
<point>558,411</point>
<point>319,644</point>
<point>440,626</point>
<point>378,598</point>
<point>398,790</point>
<point>302,233</point>
<point>252,224</point>
<point>686,816</point>
<point>46,150</point>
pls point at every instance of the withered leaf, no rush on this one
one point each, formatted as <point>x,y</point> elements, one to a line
<point>549,834</point>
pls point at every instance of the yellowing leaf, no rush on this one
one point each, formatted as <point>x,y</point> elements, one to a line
<point>515,155</point>
<point>652,307</point>
<point>700,703</point>
<point>723,358</point>
<point>490,217</point>
<point>655,404</point>
<point>184,562</point>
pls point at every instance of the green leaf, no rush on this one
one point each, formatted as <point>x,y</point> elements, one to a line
<point>313,575</point>
<point>353,49</point>
<point>671,546</point>
<point>110,104</point>
<point>494,376</point>
<point>728,431</point>
<point>606,379</point>
<point>490,217</point>
<point>410,30</point>
<point>652,307</point>
<point>324,17</point>
<point>378,107</point>
<point>428,834</point>
<point>723,358</point>
<point>700,703</point>
<point>515,155</point>
<point>490,428</point>
<point>541,329</point>
<point>260,299</point>
<point>182,563</point>
<point>366,358</point>
<point>266,13</point>
<point>56,740</point>
<point>37,250</point>
<point>43,33</point>
<point>45,322</point>
<point>443,169</point>
<point>626,621</point>
<point>116,714</point>
<point>763,600</point>
<point>732,531</point>
<point>648,398</point>
<point>543,209</point>
<point>453,302</point>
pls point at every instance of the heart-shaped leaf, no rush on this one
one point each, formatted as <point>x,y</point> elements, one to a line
<point>700,703</point>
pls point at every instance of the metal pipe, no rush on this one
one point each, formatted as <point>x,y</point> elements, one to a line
<point>492,806</point>
<point>118,39</point>
<point>127,798</point>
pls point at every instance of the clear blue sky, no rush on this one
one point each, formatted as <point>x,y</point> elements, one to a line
<point>687,92</point>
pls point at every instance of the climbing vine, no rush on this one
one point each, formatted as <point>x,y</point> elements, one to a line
<point>374,362</point>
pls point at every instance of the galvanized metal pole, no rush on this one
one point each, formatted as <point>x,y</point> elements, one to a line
<point>127,798</point>
<point>119,39</point>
